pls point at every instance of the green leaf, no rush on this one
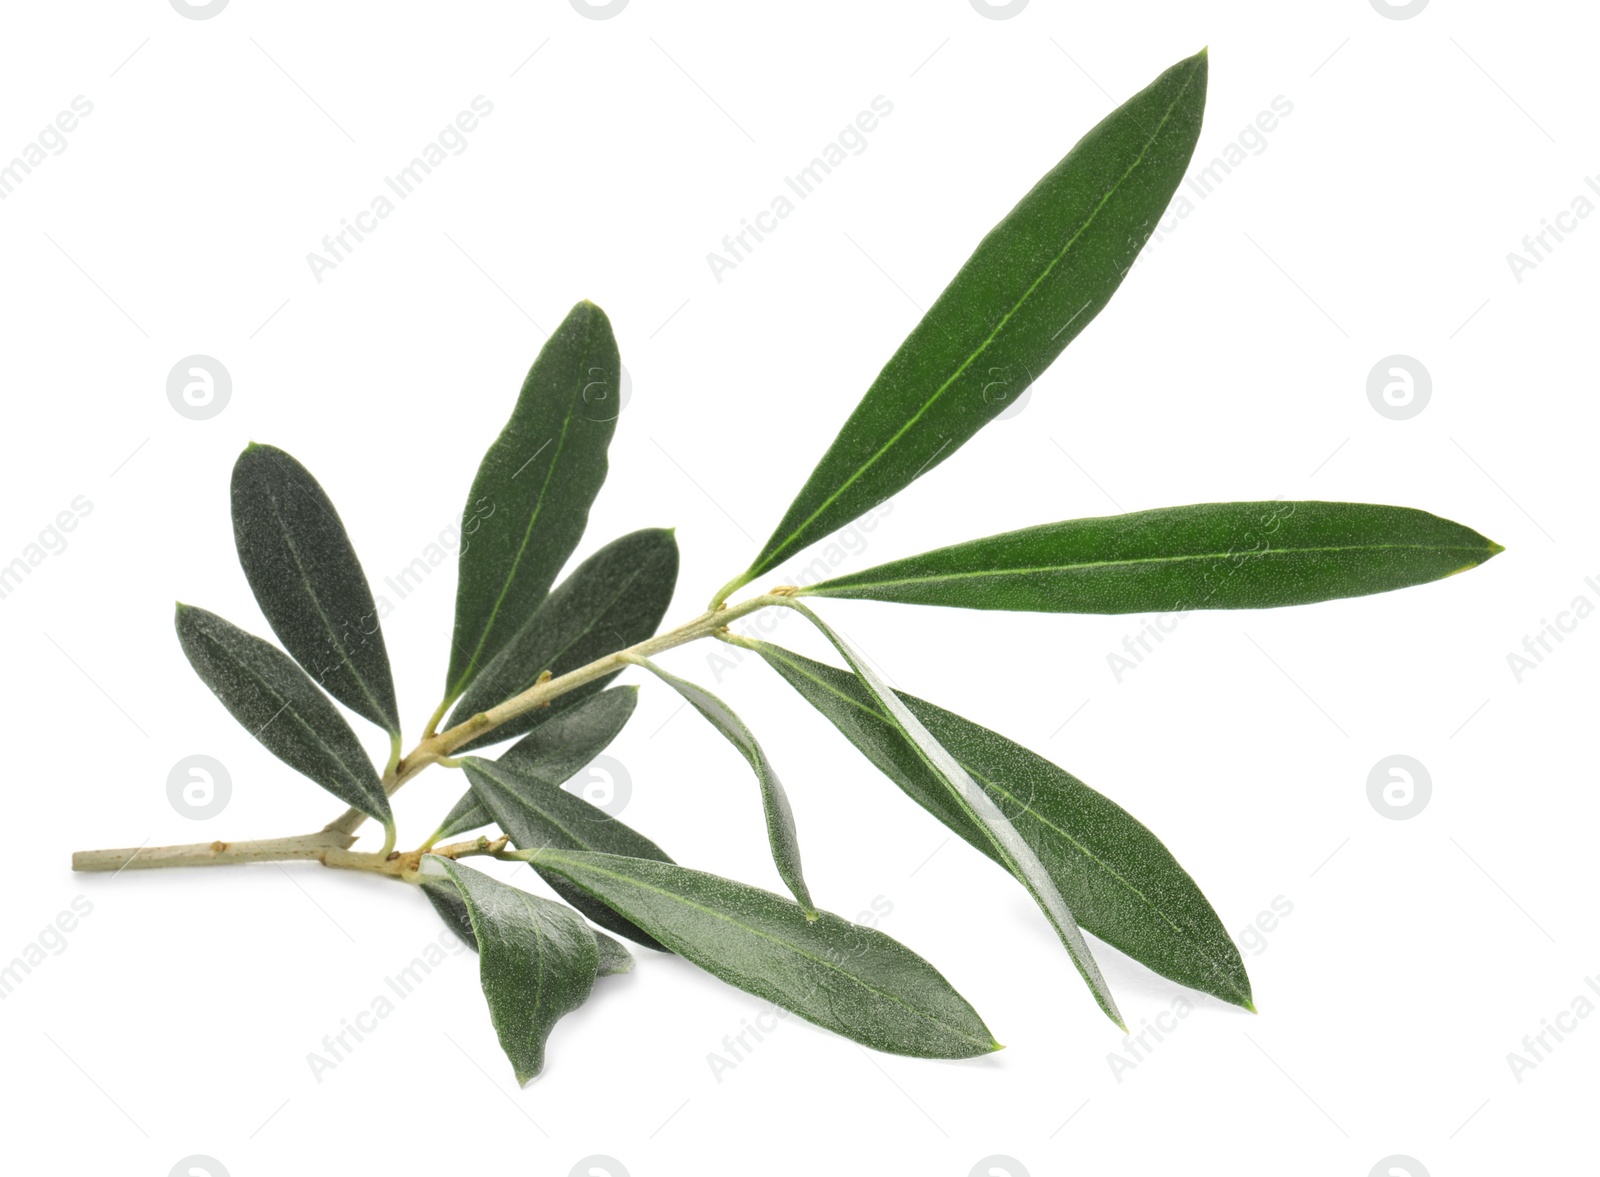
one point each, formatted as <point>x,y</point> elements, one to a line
<point>447,901</point>
<point>1036,281</point>
<point>536,813</point>
<point>614,599</point>
<point>1172,560</point>
<point>279,705</point>
<point>846,978</point>
<point>1009,846</point>
<point>537,960</point>
<point>554,752</point>
<point>774,801</point>
<point>1116,876</point>
<point>308,582</point>
<point>614,955</point>
<point>530,500</point>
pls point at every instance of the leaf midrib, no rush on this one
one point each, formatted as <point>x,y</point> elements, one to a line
<point>797,950</point>
<point>539,953</point>
<point>982,347</point>
<point>1083,850</point>
<point>488,768</point>
<point>538,507</point>
<point>316,604</point>
<point>287,706</point>
<point>1115,875</point>
<point>1038,883</point>
<point>987,573</point>
<point>774,797</point>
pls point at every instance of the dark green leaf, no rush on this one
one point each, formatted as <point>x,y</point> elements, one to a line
<point>465,815</point>
<point>308,582</point>
<point>614,955</point>
<point>614,599</point>
<point>447,901</point>
<point>554,751</point>
<point>1010,847</point>
<point>535,813</point>
<point>1119,880</point>
<point>849,979</point>
<point>1034,283</point>
<point>279,705</point>
<point>537,960</point>
<point>1172,560</point>
<point>774,801</point>
<point>530,500</point>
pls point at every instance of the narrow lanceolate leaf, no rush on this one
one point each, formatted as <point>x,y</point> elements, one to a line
<point>308,582</point>
<point>1121,883</point>
<point>1010,848</point>
<point>614,599</point>
<point>1172,560</point>
<point>774,801</point>
<point>849,979</point>
<point>446,900</point>
<point>279,705</point>
<point>1036,281</point>
<point>530,500</point>
<point>554,751</point>
<point>537,960</point>
<point>536,813</point>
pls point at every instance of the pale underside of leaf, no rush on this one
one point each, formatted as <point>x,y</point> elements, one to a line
<point>1227,979</point>
<point>781,833</point>
<point>1014,851</point>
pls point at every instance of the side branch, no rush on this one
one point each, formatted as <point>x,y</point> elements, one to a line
<point>331,845</point>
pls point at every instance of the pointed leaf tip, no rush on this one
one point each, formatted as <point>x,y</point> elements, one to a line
<point>530,500</point>
<point>775,805</point>
<point>1004,841</point>
<point>537,961</point>
<point>307,579</point>
<point>1118,879</point>
<point>1253,555</point>
<point>274,700</point>
<point>845,977</point>
<point>1032,285</point>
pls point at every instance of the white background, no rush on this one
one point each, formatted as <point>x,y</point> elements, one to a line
<point>177,1019</point>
